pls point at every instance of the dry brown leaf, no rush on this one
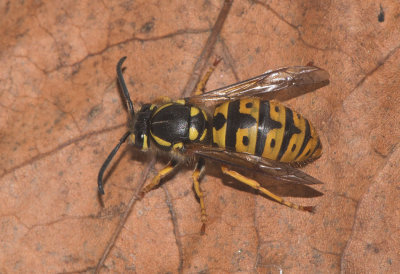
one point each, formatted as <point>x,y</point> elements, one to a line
<point>61,114</point>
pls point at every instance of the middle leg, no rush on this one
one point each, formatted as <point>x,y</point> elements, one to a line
<point>198,171</point>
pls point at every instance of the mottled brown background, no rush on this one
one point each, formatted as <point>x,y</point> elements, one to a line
<point>61,114</point>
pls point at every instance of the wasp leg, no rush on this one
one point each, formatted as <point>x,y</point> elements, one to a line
<point>198,171</point>
<point>161,174</point>
<point>202,84</point>
<point>256,185</point>
<point>162,100</point>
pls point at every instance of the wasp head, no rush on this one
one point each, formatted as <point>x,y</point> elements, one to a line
<point>140,133</point>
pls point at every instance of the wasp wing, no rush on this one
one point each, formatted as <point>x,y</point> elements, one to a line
<point>270,168</point>
<point>294,81</point>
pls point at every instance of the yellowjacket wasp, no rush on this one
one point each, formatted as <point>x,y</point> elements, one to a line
<point>238,126</point>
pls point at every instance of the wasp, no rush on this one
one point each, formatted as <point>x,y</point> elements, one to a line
<point>240,126</point>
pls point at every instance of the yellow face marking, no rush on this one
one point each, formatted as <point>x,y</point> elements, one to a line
<point>178,146</point>
<point>203,135</point>
<point>193,134</point>
<point>145,147</point>
<point>152,107</point>
<point>132,138</point>
<point>246,138</point>
<point>160,141</point>
<point>194,111</point>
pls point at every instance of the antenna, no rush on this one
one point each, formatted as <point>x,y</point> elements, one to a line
<point>124,89</point>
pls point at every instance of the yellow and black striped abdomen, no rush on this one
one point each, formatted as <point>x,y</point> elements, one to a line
<point>265,128</point>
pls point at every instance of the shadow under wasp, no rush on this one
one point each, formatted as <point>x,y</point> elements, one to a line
<point>239,126</point>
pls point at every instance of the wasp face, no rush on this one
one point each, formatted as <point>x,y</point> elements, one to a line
<point>140,136</point>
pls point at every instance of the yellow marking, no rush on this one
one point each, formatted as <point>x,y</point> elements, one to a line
<point>132,138</point>
<point>310,146</point>
<point>251,132</point>
<point>156,180</point>
<point>268,150</point>
<point>205,115</point>
<point>277,133</point>
<point>152,107</point>
<point>180,101</point>
<point>160,141</point>
<point>297,139</point>
<point>203,135</point>
<point>145,147</point>
<point>162,107</point>
<point>193,133</point>
<point>178,146</point>
<point>194,111</point>
<point>219,136</point>
<point>254,184</point>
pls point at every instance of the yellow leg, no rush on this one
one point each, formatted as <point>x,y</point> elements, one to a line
<point>256,185</point>
<point>161,174</point>
<point>196,175</point>
<point>162,100</point>
<point>202,84</point>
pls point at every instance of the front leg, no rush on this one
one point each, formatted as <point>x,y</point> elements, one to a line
<point>170,167</point>
<point>202,84</point>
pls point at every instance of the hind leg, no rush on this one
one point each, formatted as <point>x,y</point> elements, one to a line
<point>256,185</point>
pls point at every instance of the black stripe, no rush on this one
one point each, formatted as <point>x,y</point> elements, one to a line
<point>290,130</point>
<point>265,125</point>
<point>307,137</point>
<point>316,146</point>
<point>232,123</point>
<point>236,120</point>
<point>261,131</point>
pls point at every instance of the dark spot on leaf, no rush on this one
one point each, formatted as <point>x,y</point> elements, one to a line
<point>148,27</point>
<point>381,15</point>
